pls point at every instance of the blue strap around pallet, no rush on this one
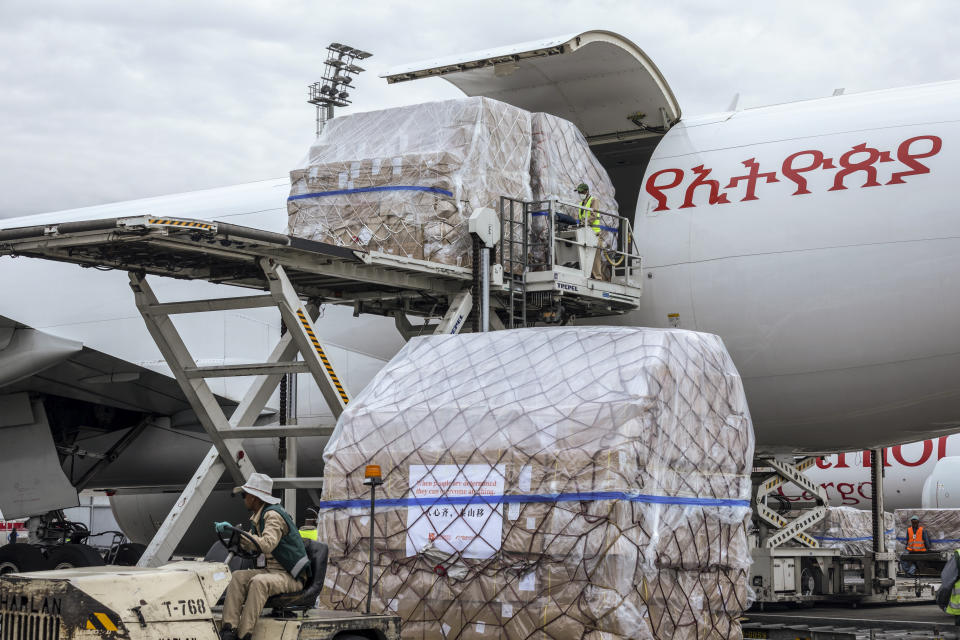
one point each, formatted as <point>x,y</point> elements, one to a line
<point>340,192</point>
<point>859,539</point>
<point>537,498</point>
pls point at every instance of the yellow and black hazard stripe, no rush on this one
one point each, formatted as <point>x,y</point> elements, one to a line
<point>802,466</point>
<point>800,536</point>
<point>101,622</point>
<point>808,540</point>
<point>323,356</point>
<point>190,224</point>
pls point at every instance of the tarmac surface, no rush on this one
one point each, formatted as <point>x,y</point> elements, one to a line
<point>902,617</point>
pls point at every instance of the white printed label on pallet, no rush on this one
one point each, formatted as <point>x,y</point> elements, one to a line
<point>528,582</point>
<point>452,515</point>
<point>364,237</point>
<point>526,475</point>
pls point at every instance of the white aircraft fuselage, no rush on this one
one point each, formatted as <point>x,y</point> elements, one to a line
<point>821,241</point>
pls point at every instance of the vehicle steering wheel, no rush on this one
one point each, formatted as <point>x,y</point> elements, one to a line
<point>232,543</point>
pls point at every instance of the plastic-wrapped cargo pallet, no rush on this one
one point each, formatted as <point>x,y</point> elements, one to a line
<point>560,160</point>
<point>405,180</point>
<point>942,525</point>
<point>561,483</point>
<point>851,531</point>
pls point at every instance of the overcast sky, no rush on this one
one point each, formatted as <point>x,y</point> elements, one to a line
<point>105,101</point>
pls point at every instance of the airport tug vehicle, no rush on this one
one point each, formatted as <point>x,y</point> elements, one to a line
<point>175,601</point>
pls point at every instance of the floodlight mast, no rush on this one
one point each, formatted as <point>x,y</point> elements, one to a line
<point>338,72</point>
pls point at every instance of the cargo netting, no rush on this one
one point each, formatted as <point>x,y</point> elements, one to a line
<point>942,525</point>
<point>405,180</point>
<point>560,483</point>
<point>850,531</point>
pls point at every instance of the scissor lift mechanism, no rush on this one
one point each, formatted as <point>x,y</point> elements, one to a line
<point>297,275</point>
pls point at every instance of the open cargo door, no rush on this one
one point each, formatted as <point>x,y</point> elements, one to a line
<point>598,80</point>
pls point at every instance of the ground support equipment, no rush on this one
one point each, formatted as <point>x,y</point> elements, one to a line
<point>297,277</point>
<point>791,566</point>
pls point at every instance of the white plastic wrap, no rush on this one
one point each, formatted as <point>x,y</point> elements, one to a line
<point>851,530</point>
<point>942,525</point>
<point>559,161</point>
<point>405,180</point>
<point>578,482</point>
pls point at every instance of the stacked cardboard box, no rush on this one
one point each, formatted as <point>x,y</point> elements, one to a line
<point>560,160</point>
<point>405,180</point>
<point>588,482</point>
<point>851,530</point>
<point>942,525</point>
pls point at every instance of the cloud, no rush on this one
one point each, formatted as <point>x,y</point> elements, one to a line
<point>105,101</point>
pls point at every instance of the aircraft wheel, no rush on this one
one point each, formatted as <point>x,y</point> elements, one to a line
<point>18,558</point>
<point>69,556</point>
<point>129,553</point>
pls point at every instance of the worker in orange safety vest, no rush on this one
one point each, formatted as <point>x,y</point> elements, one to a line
<point>918,541</point>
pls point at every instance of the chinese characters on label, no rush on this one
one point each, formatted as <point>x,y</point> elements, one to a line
<point>452,513</point>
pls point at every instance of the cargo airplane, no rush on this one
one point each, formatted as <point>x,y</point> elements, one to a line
<point>818,238</point>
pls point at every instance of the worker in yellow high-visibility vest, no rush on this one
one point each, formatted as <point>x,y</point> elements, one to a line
<point>589,216</point>
<point>948,596</point>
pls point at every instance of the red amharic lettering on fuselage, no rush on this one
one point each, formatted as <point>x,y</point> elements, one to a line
<point>857,167</point>
<point>856,492</point>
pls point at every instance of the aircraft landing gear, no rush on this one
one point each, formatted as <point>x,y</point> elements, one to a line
<point>70,556</point>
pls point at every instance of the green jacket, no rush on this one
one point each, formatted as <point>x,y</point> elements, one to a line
<point>290,552</point>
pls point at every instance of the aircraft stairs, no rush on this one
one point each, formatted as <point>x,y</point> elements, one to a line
<point>296,276</point>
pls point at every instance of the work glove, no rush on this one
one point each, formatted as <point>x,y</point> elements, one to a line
<point>222,527</point>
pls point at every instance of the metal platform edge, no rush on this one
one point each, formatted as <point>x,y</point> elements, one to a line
<point>225,253</point>
<point>74,242</point>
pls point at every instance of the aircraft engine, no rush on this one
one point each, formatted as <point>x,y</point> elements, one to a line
<point>941,490</point>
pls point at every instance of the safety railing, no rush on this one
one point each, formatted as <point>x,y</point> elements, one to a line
<point>532,233</point>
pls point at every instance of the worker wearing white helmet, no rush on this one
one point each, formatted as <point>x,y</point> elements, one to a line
<point>283,564</point>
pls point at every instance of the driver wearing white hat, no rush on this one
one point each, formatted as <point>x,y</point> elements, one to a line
<point>282,566</point>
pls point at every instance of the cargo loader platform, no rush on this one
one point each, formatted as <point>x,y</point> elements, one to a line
<point>299,275</point>
<point>371,281</point>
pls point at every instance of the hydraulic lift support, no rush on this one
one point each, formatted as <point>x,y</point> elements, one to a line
<point>808,572</point>
<point>226,453</point>
<point>297,276</point>
<point>785,473</point>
